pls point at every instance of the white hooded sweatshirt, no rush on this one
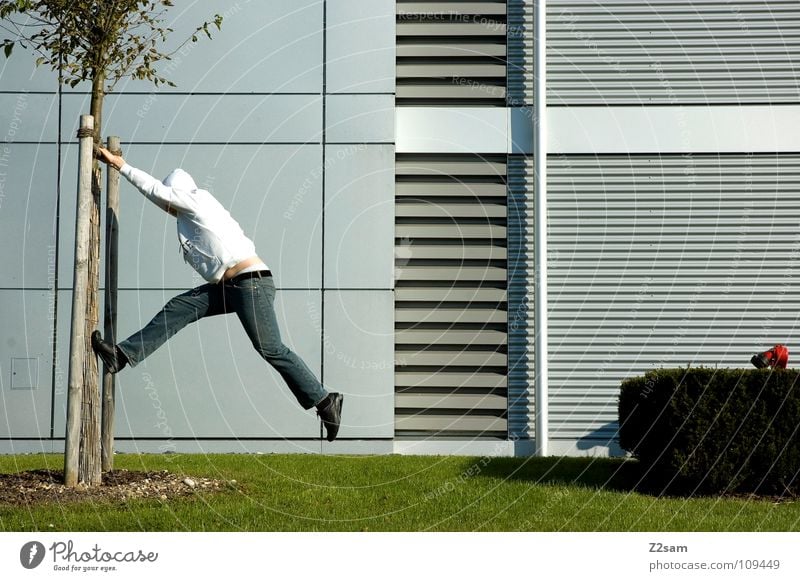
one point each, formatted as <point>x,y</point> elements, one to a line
<point>211,240</point>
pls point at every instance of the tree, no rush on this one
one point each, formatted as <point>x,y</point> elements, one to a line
<point>101,42</point>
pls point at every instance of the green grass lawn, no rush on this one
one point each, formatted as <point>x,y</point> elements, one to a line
<point>397,493</point>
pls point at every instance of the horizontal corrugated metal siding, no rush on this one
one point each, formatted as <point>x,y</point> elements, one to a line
<point>673,51</point>
<point>451,53</point>
<point>450,296</point>
<point>664,261</point>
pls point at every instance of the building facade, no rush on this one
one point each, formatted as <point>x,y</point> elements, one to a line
<point>379,154</point>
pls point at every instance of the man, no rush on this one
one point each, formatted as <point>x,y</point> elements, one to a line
<point>238,282</point>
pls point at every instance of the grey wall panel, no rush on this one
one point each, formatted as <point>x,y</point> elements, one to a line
<point>273,191</point>
<point>359,359</point>
<point>232,446</point>
<point>207,381</point>
<point>359,216</point>
<point>20,73</point>
<point>26,358</point>
<point>168,118</point>
<point>361,46</point>
<point>27,215</point>
<point>672,51</point>
<point>452,130</point>
<point>664,261</point>
<point>590,129</point>
<point>27,117</point>
<point>271,46</point>
<point>359,118</point>
<point>697,129</point>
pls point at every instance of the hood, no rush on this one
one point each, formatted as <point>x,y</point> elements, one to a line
<point>180,180</point>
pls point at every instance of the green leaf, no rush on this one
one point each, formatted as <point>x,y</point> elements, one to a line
<point>40,61</point>
<point>7,48</point>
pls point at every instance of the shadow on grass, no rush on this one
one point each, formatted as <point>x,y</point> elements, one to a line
<point>612,474</point>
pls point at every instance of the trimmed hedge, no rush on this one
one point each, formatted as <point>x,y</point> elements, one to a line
<point>710,431</point>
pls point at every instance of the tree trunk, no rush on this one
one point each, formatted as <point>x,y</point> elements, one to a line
<point>90,467</point>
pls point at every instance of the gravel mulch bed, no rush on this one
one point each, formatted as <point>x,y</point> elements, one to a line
<point>47,486</point>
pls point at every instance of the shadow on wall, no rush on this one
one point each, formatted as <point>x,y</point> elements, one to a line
<point>601,442</point>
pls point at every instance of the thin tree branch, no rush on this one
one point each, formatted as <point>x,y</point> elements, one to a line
<point>21,38</point>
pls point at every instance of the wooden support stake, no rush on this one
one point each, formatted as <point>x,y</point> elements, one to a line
<point>80,300</point>
<point>110,315</point>
<point>90,462</point>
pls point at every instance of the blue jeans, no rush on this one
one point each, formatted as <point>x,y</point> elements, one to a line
<point>252,300</point>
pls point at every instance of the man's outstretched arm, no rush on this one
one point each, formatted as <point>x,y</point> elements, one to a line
<point>168,199</point>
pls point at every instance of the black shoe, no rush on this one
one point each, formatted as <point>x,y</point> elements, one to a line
<point>331,415</point>
<point>112,357</point>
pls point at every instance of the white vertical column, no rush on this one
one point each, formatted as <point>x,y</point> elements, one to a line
<point>540,223</point>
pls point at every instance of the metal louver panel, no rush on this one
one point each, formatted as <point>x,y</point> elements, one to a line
<point>664,261</point>
<point>673,51</point>
<point>521,369</point>
<point>520,53</point>
<point>451,53</point>
<point>450,296</point>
